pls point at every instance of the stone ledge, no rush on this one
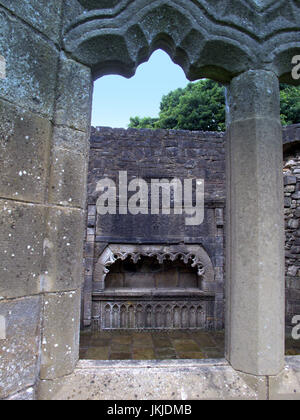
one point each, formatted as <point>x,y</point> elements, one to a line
<point>286,386</point>
<point>170,380</point>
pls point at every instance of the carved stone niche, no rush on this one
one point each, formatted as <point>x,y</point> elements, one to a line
<point>154,308</point>
<point>194,255</point>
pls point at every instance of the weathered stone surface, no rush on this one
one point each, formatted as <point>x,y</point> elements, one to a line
<point>71,10</point>
<point>286,386</point>
<point>187,30</point>
<point>68,178</point>
<point>19,352</point>
<point>60,336</point>
<point>63,250</point>
<point>215,39</point>
<point>153,380</point>
<point>45,17</point>
<point>292,219</point>
<point>74,99</point>
<point>255,255</point>
<point>27,395</point>
<point>21,239</point>
<point>72,140</point>
<point>27,84</point>
<point>25,135</point>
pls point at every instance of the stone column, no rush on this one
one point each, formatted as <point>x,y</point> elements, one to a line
<point>255,225</point>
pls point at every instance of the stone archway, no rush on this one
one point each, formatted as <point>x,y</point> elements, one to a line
<point>245,45</point>
<point>219,40</point>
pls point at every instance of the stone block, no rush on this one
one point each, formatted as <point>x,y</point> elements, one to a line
<point>19,351</point>
<point>67,186</point>
<point>24,143</point>
<point>21,239</point>
<point>60,337</point>
<point>74,100</point>
<point>31,66</point>
<point>72,140</point>
<point>293,223</point>
<point>296,196</point>
<point>43,16</point>
<point>289,180</point>
<point>71,10</point>
<point>63,250</point>
<point>258,98</point>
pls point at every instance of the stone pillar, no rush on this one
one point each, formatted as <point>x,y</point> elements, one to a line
<point>255,226</point>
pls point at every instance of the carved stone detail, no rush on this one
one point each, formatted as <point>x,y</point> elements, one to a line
<point>218,39</point>
<point>164,315</point>
<point>189,254</point>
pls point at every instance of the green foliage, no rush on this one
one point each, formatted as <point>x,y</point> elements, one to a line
<point>201,106</point>
<point>146,122</point>
<point>290,104</point>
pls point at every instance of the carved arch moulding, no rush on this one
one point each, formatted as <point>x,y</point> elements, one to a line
<point>194,255</point>
<point>218,39</point>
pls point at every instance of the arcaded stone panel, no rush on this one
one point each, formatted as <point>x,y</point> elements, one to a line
<point>152,314</point>
<point>31,66</point>
<point>24,144</point>
<point>19,351</point>
<point>286,386</point>
<point>21,239</point>
<point>152,229</point>
<point>60,336</point>
<point>43,16</point>
<point>74,95</point>
<point>63,250</point>
<point>255,239</point>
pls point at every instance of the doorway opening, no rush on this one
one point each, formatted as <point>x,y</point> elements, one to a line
<point>154,285</point>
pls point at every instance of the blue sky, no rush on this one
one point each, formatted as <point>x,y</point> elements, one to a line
<point>116,98</point>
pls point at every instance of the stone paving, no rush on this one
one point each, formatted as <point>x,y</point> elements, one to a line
<point>126,345</point>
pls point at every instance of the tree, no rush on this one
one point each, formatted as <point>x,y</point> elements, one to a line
<point>201,106</point>
<point>146,122</point>
<point>290,104</point>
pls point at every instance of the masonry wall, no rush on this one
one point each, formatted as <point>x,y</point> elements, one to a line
<point>168,154</point>
<point>159,154</point>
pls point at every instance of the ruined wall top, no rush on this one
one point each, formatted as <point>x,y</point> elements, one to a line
<point>218,39</point>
